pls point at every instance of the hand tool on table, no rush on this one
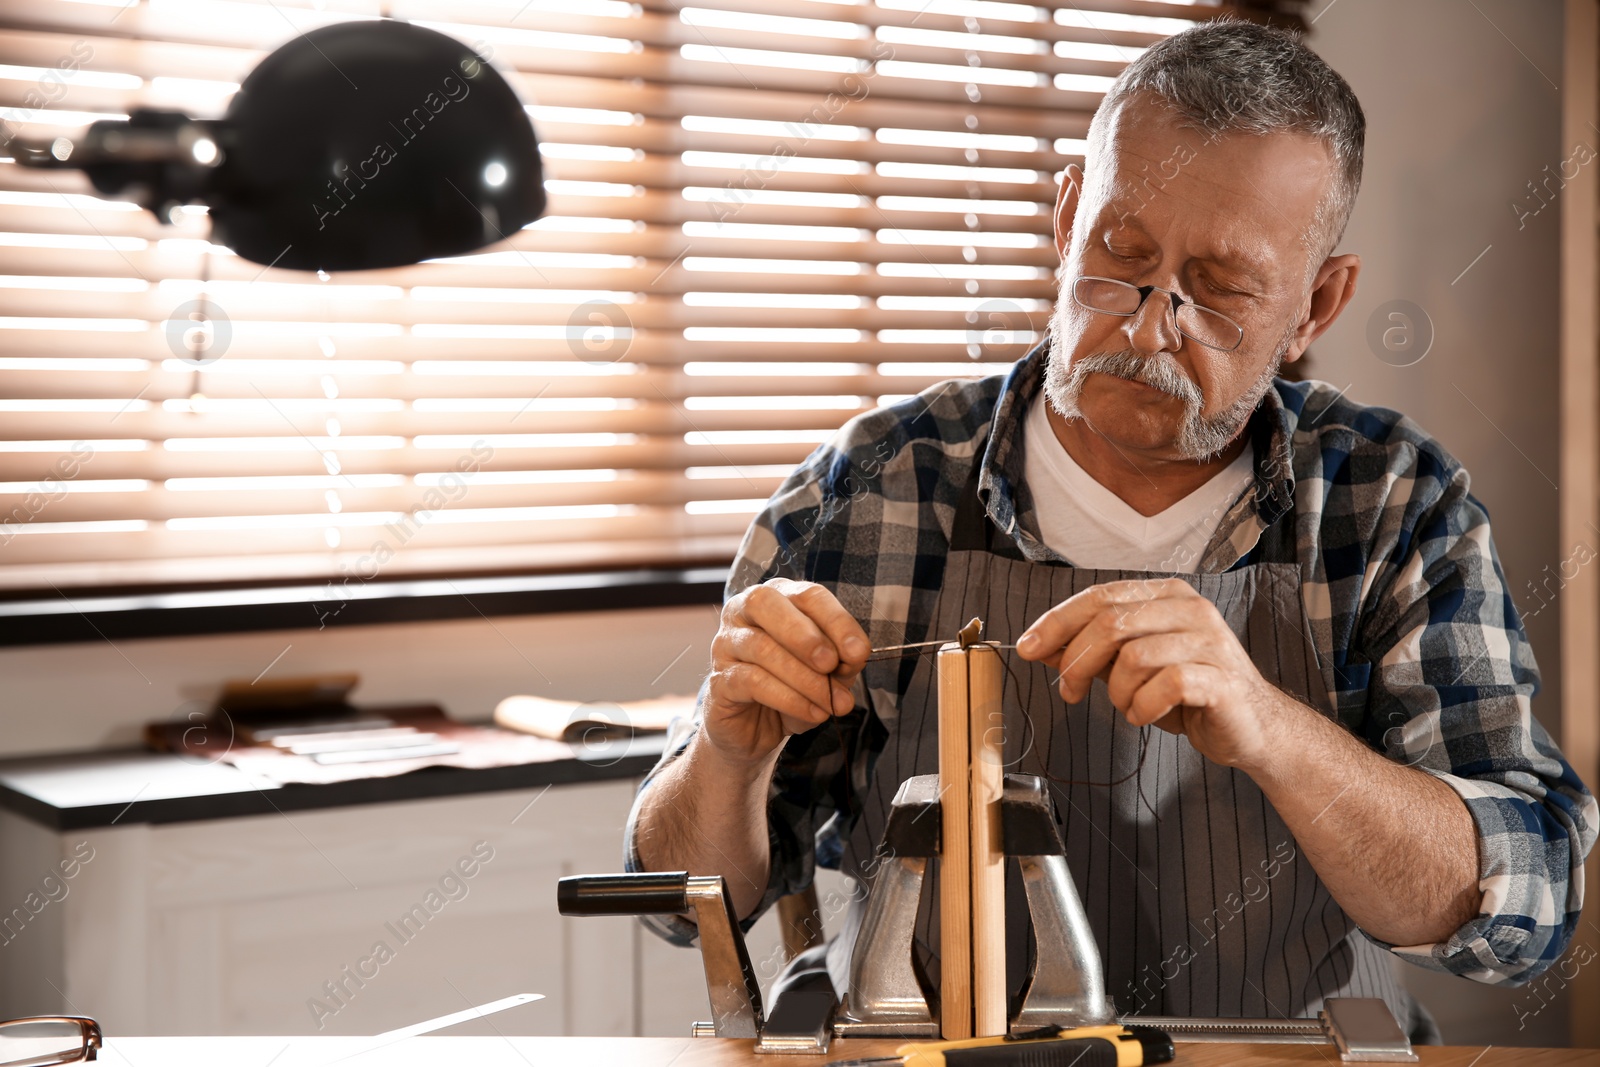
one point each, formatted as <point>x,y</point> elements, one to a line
<point>1052,1046</point>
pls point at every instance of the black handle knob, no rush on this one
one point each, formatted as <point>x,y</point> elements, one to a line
<point>1074,1052</point>
<point>648,893</point>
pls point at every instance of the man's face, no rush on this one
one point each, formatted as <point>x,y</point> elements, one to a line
<point>1226,223</point>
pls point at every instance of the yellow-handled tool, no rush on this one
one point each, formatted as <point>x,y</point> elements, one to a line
<point>1083,1046</point>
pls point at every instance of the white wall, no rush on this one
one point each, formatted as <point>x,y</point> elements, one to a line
<point>1461,115</point>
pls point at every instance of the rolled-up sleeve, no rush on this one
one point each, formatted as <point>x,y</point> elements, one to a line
<point>810,787</point>
<point>1452,682</point>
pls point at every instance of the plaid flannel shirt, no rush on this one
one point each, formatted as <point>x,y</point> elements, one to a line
<point>1421,648</point>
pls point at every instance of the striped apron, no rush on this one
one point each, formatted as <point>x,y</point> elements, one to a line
<point>1200,900</point>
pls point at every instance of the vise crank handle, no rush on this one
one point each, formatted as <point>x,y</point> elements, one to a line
<point>730,980</point>
<point>624,894</point>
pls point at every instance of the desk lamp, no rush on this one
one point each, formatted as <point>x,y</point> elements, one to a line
<point>355,146</point>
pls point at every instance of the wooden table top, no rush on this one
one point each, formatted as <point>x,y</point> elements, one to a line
<point>693,1052</point>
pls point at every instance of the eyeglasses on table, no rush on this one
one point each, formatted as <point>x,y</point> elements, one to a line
<point>46,1040</point>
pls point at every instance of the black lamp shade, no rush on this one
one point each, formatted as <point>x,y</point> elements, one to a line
<point>372,144</point>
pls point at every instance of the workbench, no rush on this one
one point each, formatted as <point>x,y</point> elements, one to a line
<point>688,1052</point>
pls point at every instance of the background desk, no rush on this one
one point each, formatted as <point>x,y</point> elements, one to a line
<point>212,906</point>
<point>695,1052</point>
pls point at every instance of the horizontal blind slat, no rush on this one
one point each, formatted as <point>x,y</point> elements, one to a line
<point>657,277</point>
<point>645,453</point>
<point>564,322</point>
<point>642,383</point>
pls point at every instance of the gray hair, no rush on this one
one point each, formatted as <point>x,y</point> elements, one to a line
<point>1231,76</point>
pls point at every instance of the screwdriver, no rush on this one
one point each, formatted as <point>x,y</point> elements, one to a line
<point>1051,1046</point>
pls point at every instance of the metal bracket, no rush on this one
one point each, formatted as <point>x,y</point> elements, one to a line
<point>1362,1028</point>
<point>730,980</point>
<point>1067,987</point>
<point>884,997</point>
<point>803,1006</point>
<point>1365,1031</point>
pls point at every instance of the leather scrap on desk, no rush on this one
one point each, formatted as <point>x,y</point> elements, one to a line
<point>452,744</point>
<point>479,746</point>
<point>591,721</point>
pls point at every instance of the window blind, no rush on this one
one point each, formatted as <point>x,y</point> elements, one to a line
<point>765,217</point>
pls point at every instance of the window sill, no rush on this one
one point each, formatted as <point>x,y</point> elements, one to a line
<point>71,617</point>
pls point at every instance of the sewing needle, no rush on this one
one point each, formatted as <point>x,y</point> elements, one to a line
<point>902,648</point>
<point>970,634</point>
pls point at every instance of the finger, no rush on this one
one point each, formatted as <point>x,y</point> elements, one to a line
<point>771,607</point>
<point>748,683</point>
<point>766,610</point>
<point>1180,684</point>
<point>1056,628</point>
<point>1099,642</point>
<point>1172,724</point>
<point>1052,631</point>
<point>843,632</point>
<point>1141,657</point>
<point>749,645</point>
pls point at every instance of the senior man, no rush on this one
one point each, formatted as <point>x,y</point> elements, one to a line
<point>1343,762</point>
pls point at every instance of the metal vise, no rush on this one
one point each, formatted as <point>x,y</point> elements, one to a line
<point>885,998</point>
<point>1066,988</point>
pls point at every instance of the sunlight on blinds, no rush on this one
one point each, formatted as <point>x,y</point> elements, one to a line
<point>764,219</point>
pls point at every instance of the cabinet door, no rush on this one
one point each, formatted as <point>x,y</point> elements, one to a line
<point>359,920</point>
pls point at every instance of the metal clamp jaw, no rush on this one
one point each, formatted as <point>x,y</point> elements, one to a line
<point>1066,988</point>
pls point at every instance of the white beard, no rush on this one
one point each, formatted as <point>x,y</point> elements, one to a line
<point>1200,436</point>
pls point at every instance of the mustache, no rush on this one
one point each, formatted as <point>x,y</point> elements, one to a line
<point>1160,372</point>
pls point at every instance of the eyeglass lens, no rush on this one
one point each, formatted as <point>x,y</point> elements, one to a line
<point>1119,298</point>
<point>37,1042</point>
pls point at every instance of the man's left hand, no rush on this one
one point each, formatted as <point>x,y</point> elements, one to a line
<point>1167,657</point>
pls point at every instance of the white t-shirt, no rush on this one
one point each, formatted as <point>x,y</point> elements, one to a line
<point>1092,527</point>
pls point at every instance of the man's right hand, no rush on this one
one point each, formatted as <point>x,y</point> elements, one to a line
<point>782,662</point>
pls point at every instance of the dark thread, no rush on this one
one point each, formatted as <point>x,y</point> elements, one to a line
<point>1028,729</point>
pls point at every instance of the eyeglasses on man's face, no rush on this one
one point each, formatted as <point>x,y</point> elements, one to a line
<point>45,1040</point>
<point>1200,324</point>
